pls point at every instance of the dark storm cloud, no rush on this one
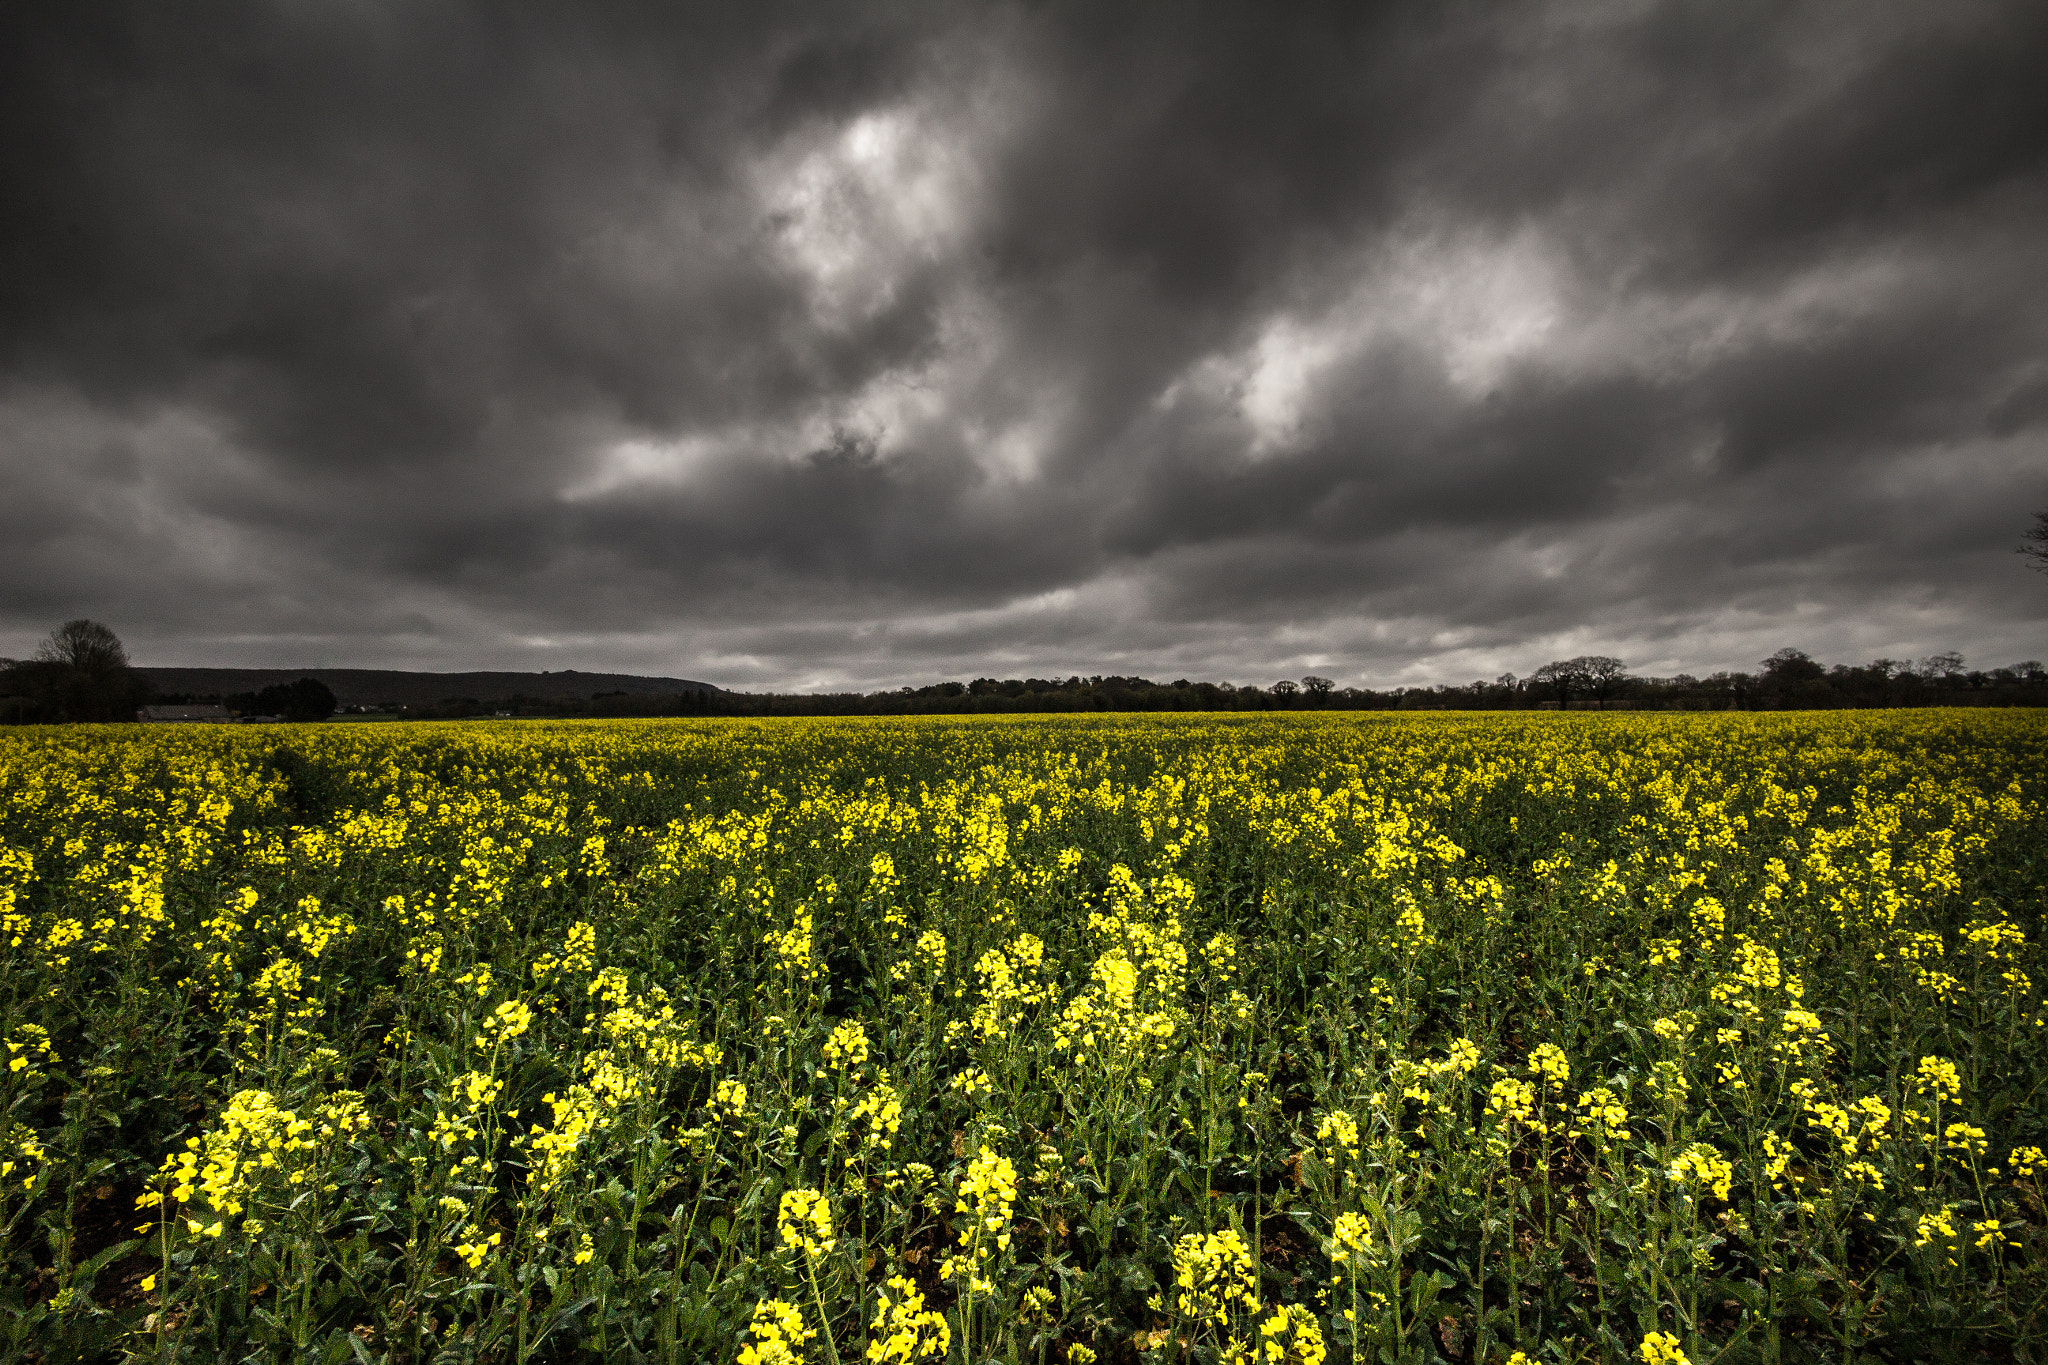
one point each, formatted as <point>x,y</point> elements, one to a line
<point>823,345</point>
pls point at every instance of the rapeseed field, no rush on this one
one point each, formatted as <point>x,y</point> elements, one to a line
<point>1506,1038</point>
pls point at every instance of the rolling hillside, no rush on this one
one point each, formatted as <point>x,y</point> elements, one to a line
<point>380,686</point>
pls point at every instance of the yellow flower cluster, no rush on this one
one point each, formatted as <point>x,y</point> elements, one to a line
<point>253,1143</point>
<point>804,1220</point>
<point>1337,1131</point>
<point>1702,1167</point>
<point>987,1194</point>
<point>904,1329</point>
<point>22,1152</point>
<point>1513,1101</point>
<point>1199,956</point>
<point>29,1051</point>
<point>1549,1062</point>
<point>848,1046</point>
<point>1601,1116</point>
<point>776,1336</point>
<point>1661,1348</point>
<point>1289,1335</point>
<point>880,1109</point>
<point>1213,1271</point>
<point>1937,1077</point>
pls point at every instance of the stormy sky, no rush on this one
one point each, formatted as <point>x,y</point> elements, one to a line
<point>861,344</point>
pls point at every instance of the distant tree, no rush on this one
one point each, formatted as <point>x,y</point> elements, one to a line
<point>1316,687</point>
<point>1790,666</point>
<point>1285,688</point>
<point>1561,676</point>
<point>80,673</point>
<point>306,699</point>
<point>1597,674</point>
<point>85,645</point>
<point>1941,665</point>
<point>2034,544</point>
<point>1603,674</point>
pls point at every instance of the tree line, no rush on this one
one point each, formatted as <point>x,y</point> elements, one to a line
<point>81,673</point>
<point>1789,679</point>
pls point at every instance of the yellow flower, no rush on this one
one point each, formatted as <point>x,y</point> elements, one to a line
<point>1661,1348</point>
<point>987,1193</point>
<point>776,1335</point>
<point>1213,1271</point>
<point>848,1045</point>
<point>805,1220</point>
<point>1702,1166</point>
<point>1338,1132</point>
<point>474,1251</point>
<point>1938,1077</point>
<point>905,1330</point>
<point>1549,1062</point>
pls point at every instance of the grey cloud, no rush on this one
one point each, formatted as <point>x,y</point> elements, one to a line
<point>786,345</point>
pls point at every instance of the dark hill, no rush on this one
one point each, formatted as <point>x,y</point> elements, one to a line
<point>381,686</point>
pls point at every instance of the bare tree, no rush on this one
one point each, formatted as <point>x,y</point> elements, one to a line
<point>2034,544</point>
<point>1599,674</point>
<point>1603,673</point>
<point>1317,687</point>
<point>1561,676</point>
<point>80,673</point>
<point>85,645</point>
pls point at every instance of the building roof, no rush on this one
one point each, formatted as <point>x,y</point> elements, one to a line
<point>201,712</point>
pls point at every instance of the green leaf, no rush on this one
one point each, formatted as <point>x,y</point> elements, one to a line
<point>99,1260</point>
